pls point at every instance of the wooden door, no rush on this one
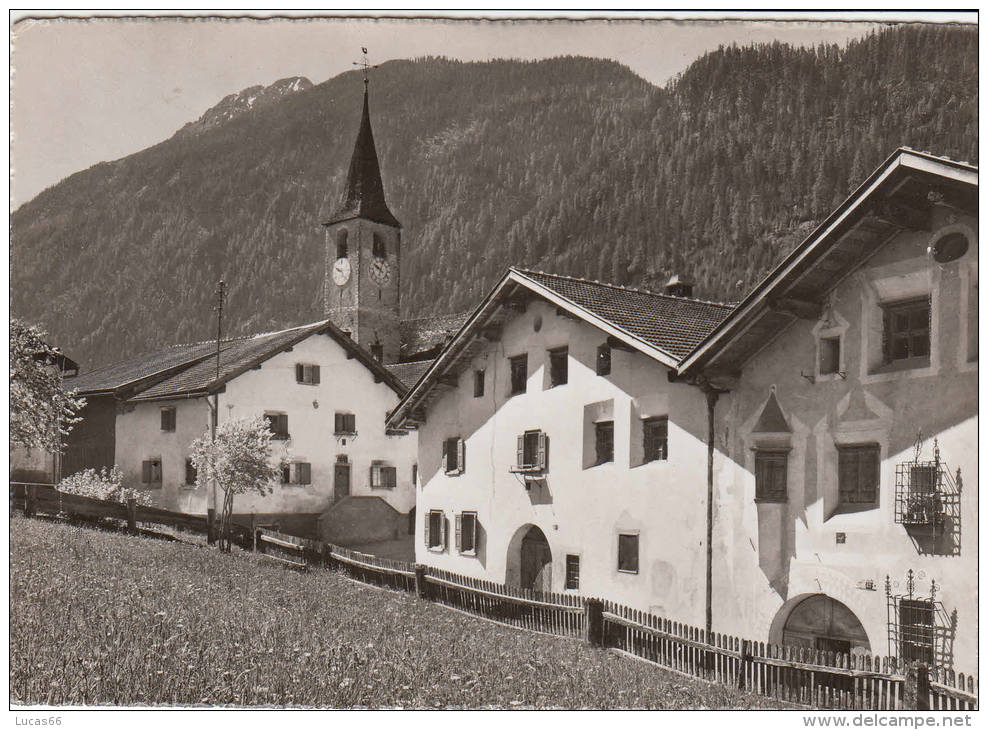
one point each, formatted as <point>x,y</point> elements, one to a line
<point>536,562</point>
<point>341,481</point>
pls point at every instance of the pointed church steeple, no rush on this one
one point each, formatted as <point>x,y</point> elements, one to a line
<point>363,195</point>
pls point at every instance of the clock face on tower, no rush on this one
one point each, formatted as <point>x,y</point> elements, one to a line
<point>380,270</point>
<point>341,272</point>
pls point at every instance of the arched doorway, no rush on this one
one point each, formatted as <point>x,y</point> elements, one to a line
<point>536,561</point>
<point>820,622</point>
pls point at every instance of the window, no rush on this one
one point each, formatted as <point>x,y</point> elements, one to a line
<point>307,374</point>
<point>655,437</point>
<point>519,374</point>
<point>345,423</point>
<point>191,473</point>
<point>771,468</point>
<point>628,553</point>
<point>604,440</point>
<point>858,475</point>
<point>572,572</point>
<point>603,360</point>
<point>435,530</point>
<point>286,473</point>
<point>341,247</point>
<point>906,332</point>
<point>558,366</point>
<point>532,452</point>
<point>478,383</point>
<point>466,533</point>
<point>298,472</point>
<point>415,475</point>
<point>377,350</point>
<point>167,419</point>
<point>453,456</point>
<point>380,249</point>
<point>278,425</point>
<point>151,471</point>
<point>829,355</point>
<point>917,627</point>
<point>383,476</point>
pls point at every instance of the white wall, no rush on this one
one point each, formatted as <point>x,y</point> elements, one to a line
<point>346,385</point>
<point>580,510</point>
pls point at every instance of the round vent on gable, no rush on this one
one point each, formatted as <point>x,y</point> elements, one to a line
<point>949,247</point>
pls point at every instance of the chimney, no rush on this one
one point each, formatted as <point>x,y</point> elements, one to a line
<point>678,286</point>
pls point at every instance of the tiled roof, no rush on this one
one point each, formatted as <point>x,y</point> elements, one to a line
<point>235,356</point>
<point>117,375</point>
<point>674,325</point>
<point>409,372</point>
<point>426,333</point>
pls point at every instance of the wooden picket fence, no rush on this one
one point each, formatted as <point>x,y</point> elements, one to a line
<point>805,677</point>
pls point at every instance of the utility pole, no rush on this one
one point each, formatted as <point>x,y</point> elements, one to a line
<point>214,407</point>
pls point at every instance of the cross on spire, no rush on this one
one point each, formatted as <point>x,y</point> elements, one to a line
<point>364,64</point>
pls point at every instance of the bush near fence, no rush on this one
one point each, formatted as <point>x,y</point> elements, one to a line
<point>805,677</point>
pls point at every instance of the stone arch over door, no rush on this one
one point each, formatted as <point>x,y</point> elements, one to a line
<point>817,621</point>
<point>529,559</point>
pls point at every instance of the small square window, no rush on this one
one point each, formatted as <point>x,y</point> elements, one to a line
<point>604,441</point>
<point>771,474</point>
<point>628,553</point>
<point>478,383</point>
<point>573,572</point>
<point>655,436</point>
<point>344,423</point>
<point>603,360</point>
<point>558,366</point>
<point>168,419</point>
<point>519,374</point>
<point>829,355</point>
<point>306,374</point>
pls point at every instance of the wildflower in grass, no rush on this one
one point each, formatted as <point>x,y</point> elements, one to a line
<point>105,484</point>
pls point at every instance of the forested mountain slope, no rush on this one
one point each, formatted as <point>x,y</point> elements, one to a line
<point>571,165</point>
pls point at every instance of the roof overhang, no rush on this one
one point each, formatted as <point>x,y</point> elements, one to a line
<point>490,313</point>
<point>897,196</point>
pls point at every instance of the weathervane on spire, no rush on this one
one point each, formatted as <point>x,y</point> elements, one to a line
<point>364,64</point>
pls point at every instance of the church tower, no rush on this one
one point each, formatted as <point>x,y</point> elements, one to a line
<point>363,240</point>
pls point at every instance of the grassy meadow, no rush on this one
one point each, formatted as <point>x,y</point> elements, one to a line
<point>103,618</point>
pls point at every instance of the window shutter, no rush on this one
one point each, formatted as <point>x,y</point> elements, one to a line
<point>443,531</point>
<point>461,464</point>
<point>543,455</point>
<point>336,423</point>
<point>390,477</point>
<point>886,340</point>
<point>445,455</point>
<point>459,533</point>
<point>315,374</point>
<point>304,473</point>
<point>350,422</point>
<point>426,531</point>
<point>299,373</point>
<point>520,458</point>
<point>146,472</point>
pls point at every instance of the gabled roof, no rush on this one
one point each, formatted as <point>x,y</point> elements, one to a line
<point>409,372</point>
<point>239,355</point>
<point>135,372</point>
<point>898,196</point>
<point>363,195</point>
<point>427,334</point>
<point>660,326</point>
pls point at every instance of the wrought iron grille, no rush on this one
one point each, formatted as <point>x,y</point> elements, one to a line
<point>927,502</point>
<point>919,629</point>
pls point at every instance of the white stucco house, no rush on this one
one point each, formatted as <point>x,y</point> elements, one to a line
<point>800,468</point>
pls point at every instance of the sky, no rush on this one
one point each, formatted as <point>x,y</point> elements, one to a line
<point>90,90</point>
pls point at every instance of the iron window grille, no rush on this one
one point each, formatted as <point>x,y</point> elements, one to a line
<point>655,433</point>
<point>771,475</point>
<point>573,572</point>
<point>919,629</point>
<point>927,497</point>
<point>532,453</point>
